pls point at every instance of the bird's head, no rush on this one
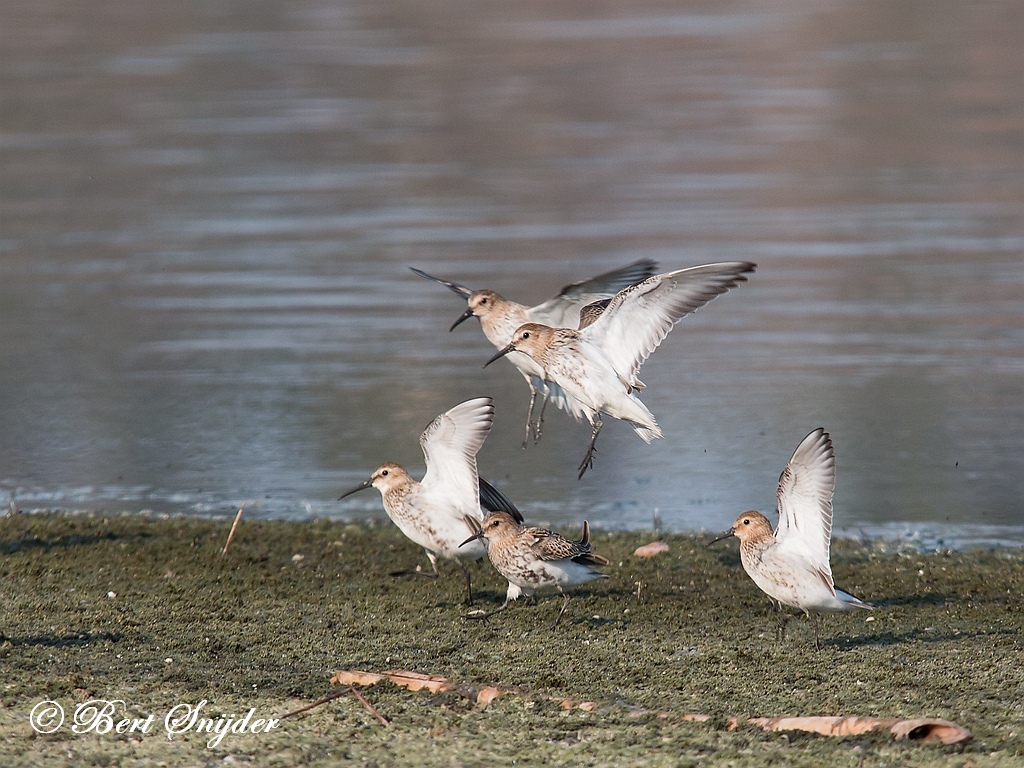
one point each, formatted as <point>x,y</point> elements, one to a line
<point>480,304</point>
<point>530,339</point>
<point>495,527</point>
<point>385,478</point>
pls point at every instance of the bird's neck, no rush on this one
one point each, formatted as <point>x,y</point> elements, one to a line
<point>502,321</point>
<point>752,550</point>
<point>395,498</point>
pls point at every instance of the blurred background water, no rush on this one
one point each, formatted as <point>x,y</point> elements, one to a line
<point>207,211</point>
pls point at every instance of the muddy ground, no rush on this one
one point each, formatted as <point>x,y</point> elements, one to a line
<point>145,611</point>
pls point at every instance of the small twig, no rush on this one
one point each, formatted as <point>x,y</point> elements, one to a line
<point>231,534</point>
<point>337,695</point>
<point>332,697</point>
<point>369,706</point>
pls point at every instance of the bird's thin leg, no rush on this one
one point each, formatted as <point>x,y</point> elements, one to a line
<point>588,460</point>
<point>565,604</point>
<point>483,615</point>
<point>539,424</point>
<point>529,414</point>
<point>469,584</point>
<point>783,621</point>
<point>418,571</point>
<point>814,620</point>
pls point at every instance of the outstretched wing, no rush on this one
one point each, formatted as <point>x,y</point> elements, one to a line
<point>805,503</point>
<point>493,500</point>
<point>450,444</point>
<point>639,318</point>
<point>458,288</point>
<point>563,310</point>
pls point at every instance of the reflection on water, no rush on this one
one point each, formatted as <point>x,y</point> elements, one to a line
<point>208,211</point>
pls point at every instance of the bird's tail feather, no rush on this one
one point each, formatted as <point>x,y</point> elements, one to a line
<point>855,602</point>
<point>647,434</point>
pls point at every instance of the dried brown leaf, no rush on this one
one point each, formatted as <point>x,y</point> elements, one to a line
<point>652,549</point>
<point>355,677</point>
<point>924,729</point>
<point>931,729</point>
<point>488,694</point>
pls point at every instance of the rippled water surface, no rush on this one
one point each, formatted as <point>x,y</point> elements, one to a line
<point>207,212</point>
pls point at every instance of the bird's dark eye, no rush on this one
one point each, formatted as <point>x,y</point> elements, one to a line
<point>483,301</point>
<point>526,334</point>
<point>746,522</point>
<point>384,473</point>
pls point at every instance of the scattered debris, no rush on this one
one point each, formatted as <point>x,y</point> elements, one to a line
<point>337,695</point>
<point>231,533</point>
<point>482,695</point>
<point>920,729</point>
<point>652,549</point>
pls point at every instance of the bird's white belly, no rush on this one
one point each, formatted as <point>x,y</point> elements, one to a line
<point>440,533</point>
<point>792,585</point>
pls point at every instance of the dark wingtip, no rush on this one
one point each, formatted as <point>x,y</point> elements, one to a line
<point>454,287</point>
<point>494,500</point>
<point>586,557</point>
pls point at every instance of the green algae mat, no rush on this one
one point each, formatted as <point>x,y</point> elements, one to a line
<point>129,640</point>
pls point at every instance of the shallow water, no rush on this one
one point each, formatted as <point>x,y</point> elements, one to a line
<point>208,211</point>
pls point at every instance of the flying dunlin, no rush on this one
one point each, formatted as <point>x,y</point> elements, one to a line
<point>596,367</point>
<point>500,317</point>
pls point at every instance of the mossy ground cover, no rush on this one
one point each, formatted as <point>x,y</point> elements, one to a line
<point>145,611</point>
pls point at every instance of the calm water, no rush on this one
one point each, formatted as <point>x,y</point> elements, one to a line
<point>207,211</point>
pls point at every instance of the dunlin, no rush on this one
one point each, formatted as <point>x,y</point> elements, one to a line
<point>439,511</point>
<point>500,317</point>
<point>792,565</point>
<point>596,367</point>
<point>535,559</point>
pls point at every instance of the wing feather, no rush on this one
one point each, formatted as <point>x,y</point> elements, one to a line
<point>450,444</point>
<point>805,503</point>
<point>493,500</point>
<point>563,311</point>
<point>640,317</point>
<point>452,286</point>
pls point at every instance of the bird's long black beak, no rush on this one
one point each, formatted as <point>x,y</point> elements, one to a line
<point>725,535</point>
<point>462,318</point>
<point>501,354</point>
<point>357,489</point>
<point>478,532</point>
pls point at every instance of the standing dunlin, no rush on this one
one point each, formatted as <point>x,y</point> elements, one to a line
<point>438,512</point>
<point>499,318</point>
<point>596,367</point>
<point>792,565</point>
<point>535,559</point>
